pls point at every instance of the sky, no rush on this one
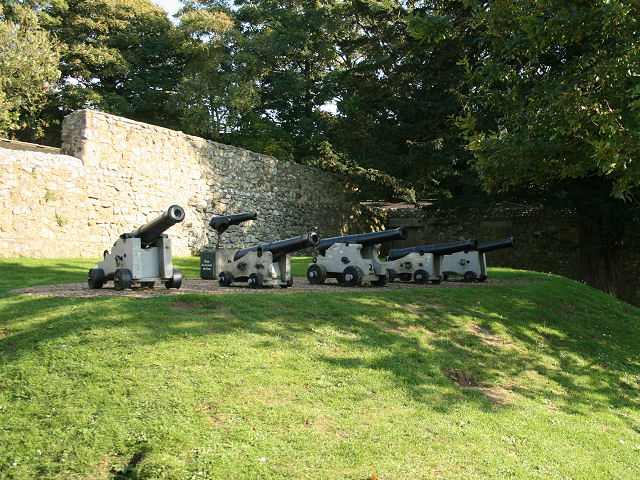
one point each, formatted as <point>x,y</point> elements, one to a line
<point>171,6</point>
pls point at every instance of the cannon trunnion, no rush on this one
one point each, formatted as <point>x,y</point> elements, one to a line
<point>352,259</point>
<point>264,265</point>
<point>141,257</point>
<point>424,263</point>
<point>472,265</point>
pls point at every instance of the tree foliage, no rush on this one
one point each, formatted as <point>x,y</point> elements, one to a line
<point>29,62</point>
<point>120,56</point>
<point>556,93</point>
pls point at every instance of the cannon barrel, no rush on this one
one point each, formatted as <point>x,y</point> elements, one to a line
<point>152,231</point>
<point>281,247</point>
<point>364,239</point>
<point>495,245</point>
<point>221,223</point>
<point>436,249</point>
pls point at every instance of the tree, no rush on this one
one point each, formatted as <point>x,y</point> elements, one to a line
<point>120,56</point>
<point>552,106</point>
<point>395,96</point>
<point>29,61</point>
<point>214,94</point>
<point>556,94</point>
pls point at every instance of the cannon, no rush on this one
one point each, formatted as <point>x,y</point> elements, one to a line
<point>424,263</point>
<point>212,260</point>
<point>141,257</point>
<point>220,224</point>
<point>472,265</point>
<point>352,259</point>
<point>264,265</point>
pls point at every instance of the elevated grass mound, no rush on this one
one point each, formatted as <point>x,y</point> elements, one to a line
<point>529,381</point>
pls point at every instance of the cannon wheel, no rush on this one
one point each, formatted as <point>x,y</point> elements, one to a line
<point>316,274</point>
<point>352,276</point>
<point>175,281</point>
<point>225,279</point>
<point>255,281</point>
<point>122,279</point>
<point>469,276</point>
<point>95,278</point>
<point>381,281</point>
<point>391,275</point>
<point>288,284</point>
<point>420,277</point>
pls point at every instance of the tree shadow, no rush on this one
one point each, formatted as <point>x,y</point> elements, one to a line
<point>554,351</point>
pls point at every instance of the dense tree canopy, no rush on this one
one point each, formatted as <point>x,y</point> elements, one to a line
<point>120,56</point>
<point>29,66</point>
<point>556,92</point>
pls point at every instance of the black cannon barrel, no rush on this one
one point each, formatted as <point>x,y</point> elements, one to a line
<point>152,231</point>
<point>223,222</point>
<point>281,247</point>
<point>364,239</point>
<point>495,245</point>
<point>436,249</point>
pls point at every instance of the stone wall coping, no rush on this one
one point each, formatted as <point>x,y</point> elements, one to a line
<point>24,146</point>
<point>193,138</point>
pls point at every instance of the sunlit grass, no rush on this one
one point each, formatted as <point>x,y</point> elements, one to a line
<point>540,380</point>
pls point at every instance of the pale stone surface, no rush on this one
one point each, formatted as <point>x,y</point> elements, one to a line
<point>116,174</point>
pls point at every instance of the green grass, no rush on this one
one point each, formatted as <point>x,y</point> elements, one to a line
<point>353,385</point>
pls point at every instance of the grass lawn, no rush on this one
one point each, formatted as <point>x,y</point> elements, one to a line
<point>531,381</point>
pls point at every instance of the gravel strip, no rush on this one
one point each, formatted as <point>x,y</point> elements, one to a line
<point>196,285</point>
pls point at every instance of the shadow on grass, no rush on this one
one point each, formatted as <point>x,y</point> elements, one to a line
<point>555,347</point>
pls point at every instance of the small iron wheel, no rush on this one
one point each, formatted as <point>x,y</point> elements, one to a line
<point>95,278</point>
<point>316,274</point>
<point>420,277</point>
<point>352,276</point>
<point>175,281</point>
<point>469,276</point>
<point>225,279</point>
<point>122,279</point>
<point>381,281</point>
<point>255,281</point>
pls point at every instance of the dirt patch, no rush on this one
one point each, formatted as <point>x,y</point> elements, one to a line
<point>197,285</point>
<point>413,309</point>
<point>419,308</point>
<point>490,338</point>
<point>469,381</point>
<point>461,378</point>
<point>180,305</point>
<point>498,395</point>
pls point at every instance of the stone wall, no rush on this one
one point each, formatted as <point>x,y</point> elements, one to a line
<point>546,240</point>
<point>117,174</point>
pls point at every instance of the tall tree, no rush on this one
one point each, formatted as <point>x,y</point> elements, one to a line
<point>214,94</point>
<point>552,105</point>
<point>120,56</point>
<point>29,61</point>
<point>395,95</point>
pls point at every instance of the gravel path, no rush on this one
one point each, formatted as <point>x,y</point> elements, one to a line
<point>196,285</point>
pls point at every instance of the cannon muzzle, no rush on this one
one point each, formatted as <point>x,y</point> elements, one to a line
<point>364,239</point>
<point>495,245</point>
<point>220,224</point>
<point>152,231</point>
<point>435,249</point>
<point>282,247</point>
